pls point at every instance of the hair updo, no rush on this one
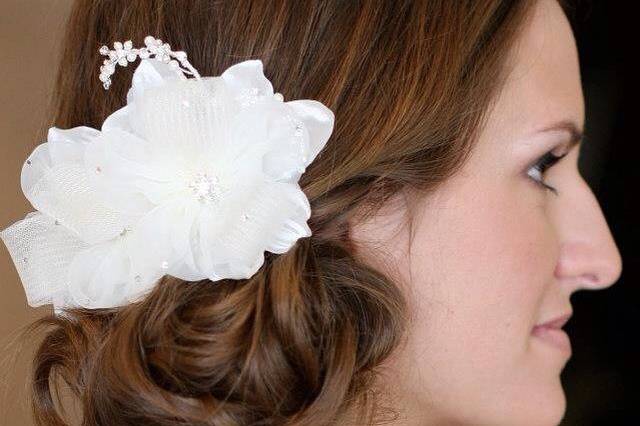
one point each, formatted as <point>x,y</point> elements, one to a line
<point>300,342</point>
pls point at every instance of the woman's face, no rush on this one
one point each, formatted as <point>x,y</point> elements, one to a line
<point>495,253</point>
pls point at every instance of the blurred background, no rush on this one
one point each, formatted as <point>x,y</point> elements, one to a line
<point>30,32</point>
<point>601,379</point>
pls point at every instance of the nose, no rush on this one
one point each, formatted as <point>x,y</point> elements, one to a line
<point>589,257</point>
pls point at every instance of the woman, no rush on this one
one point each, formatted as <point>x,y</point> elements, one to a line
<point>449,222</point>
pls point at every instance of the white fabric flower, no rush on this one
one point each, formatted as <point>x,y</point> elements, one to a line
<point>194,178</point>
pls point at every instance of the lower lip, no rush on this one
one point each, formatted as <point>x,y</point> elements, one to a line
<point>556,337</point>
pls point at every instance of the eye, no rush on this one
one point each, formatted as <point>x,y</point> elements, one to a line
<point>537,170</point>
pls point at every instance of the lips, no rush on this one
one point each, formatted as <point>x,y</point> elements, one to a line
<point>551,332</point>
<point>558,322</point>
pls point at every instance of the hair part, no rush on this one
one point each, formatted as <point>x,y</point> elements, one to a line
<point>303,340</point>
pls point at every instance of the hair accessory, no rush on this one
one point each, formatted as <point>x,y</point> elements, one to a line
<point>125,53</point>
<point>193,177</point>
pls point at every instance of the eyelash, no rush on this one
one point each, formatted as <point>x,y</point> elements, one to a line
<point>543,164</point>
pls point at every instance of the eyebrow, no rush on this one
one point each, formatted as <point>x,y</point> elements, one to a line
<point>576,133</point>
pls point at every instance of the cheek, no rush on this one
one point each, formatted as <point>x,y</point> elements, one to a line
<point>479,268</point>
<point>488,259</point>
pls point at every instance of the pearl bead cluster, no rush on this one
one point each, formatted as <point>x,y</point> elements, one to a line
<point>206,188</point>
<point>125,53</point>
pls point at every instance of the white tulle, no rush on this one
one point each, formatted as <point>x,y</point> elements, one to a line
<point>194,178</point>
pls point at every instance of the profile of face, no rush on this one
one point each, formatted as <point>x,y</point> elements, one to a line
<point>495,253</point>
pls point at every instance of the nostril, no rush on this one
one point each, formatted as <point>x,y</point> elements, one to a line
<point>601,281</point>
<point>590,281</point>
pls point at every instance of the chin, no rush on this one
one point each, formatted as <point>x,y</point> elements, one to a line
<point>532,404</point>
<point>545,407</point>
<point>536,407</point>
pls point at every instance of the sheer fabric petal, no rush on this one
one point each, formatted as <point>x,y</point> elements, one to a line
<point>230,247</point>
<point>244,76</point>
<point>318,122</point>
<point>42,252</point>
<point>61,189</point>
<point>99,276</point>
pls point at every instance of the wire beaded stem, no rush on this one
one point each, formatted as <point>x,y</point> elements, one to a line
<point>124,53</point>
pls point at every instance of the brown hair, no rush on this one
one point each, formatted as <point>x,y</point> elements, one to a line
<point>300,342</point>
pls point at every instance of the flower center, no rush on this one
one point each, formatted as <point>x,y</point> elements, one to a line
<point>205,188</point>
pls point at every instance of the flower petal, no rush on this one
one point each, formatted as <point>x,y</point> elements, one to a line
<point>122,120</point>
<point>162,235</point>
<point>181,120</point>
<point>42,252</point>
<point>225,246</point>
<point>100,275</point>
<point>63,192</point>
<point>302,131</point>
<point>63,146</point>
<point>242,78</point>
<point>35,168</point>
<point>150,74</point>
<point>293,226</point>
<point>318,120</point>
<point>125,171</point>
<point>288,146</point>
<point>247,136</point>
<point>68,145</point>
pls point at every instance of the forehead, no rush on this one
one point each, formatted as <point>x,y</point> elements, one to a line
<point>543,84</point>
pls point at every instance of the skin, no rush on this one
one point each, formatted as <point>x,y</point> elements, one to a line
<point>494,253</point>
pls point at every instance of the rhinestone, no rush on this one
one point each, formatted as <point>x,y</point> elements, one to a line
<point>56,222</point>
<point>28,161</point>
<point>25,260</point>
<point>124,231</point>
<point>137,278</point>
<point>165,265</point>
<point>244,217</point>
<point>98,169</point>
<point>298,129</point>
